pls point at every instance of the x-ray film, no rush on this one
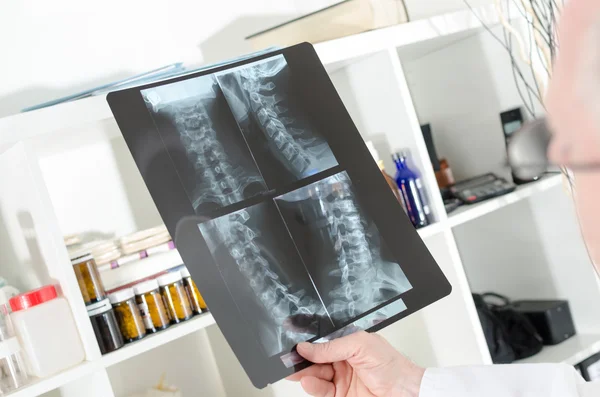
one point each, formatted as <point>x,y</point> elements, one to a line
<point>276,206</point>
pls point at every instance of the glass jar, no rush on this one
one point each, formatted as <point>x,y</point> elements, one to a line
<point>13,373</point>
<point>104,323</point>
<point>88,279</point>
<point>128,315</point>
<point>175,296</point>
<point>152,307</point>
<point>196,300</point>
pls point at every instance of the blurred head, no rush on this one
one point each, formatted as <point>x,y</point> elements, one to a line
<point>573,104</point>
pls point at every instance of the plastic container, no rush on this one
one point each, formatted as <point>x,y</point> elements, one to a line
<point>152,307</point>
<point>196,300</point>
<point>88,278</point>
<point>13,373</point>
<point>128,315</point>
<point>45,327</point>
<point>412,192</point>
<point>175,296</point>
<point>106,328</point>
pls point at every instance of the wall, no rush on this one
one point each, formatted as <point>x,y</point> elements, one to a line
<point>461,90</point>
<point>54,48</point>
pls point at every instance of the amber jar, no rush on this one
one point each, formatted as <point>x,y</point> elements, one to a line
<point>196,300</point>
<point>152,307</point>
<point>175,296</point>
<point>88,279</point>
<point>128,315</point>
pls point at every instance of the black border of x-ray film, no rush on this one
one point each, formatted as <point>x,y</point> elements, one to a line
<point>158,171</point>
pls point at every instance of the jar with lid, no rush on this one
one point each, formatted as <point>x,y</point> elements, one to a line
<point>44,324</point>
<point>88,278</point>
<point>196,300</point>
<point>128,315</point>
<point>13,373</point>
<point>175,296</point>
<point>104,323</point>
<point>152,307</point>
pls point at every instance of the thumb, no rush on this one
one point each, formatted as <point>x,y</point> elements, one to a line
<point>337,350</point>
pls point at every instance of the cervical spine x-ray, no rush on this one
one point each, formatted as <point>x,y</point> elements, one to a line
<point>301,264</point>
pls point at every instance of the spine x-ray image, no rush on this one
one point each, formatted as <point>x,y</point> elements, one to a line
<point>342,248</point>
<point>258,261</point>
<point>262,98</point>
<point>217,160</point>
<point>299,265</point>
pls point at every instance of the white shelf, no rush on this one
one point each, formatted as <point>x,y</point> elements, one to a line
<point>160,338</point>
<point>60,117</point>
<point>148,343</point>
<point>467,213</point>
<point>572,351</point>
<point>45,385</point>
<point>431,230</point>
<point>141,269</point>
<point>442,26</point>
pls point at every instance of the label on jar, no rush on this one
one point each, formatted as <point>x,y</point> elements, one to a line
<point>146,315</point>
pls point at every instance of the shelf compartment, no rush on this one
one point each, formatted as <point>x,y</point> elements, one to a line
<point>153,341</point>
<point>467,213</point>
<point>572,351</point>
<point>42,386</point>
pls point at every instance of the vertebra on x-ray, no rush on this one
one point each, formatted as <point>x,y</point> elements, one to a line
<point>217,163</point>
<point>341,247</point>
<point>258,262</point>
<point>265,104</point>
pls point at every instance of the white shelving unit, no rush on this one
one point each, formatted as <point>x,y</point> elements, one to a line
<point>572,351</point>
<point>66,169</point>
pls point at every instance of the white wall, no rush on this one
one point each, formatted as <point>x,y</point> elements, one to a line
<point>54,48</point>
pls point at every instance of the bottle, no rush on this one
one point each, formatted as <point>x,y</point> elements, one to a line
<point>412,192</point>
<point>391,182</point>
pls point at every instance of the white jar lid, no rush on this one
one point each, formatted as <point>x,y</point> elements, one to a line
<point>185,272</point>
<point>98,308</point>
<point>145,287</point>
<point>9,347</point>
<point>169,278</point>
<point>121,295</point>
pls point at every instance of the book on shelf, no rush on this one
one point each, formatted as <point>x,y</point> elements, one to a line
<point>342,19</point>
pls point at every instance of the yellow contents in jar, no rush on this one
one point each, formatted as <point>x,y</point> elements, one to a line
<point>151,304</point>
<point>88,278</point>
<point>198,304</point>
<point>130,320</point>
<point>177,301</point>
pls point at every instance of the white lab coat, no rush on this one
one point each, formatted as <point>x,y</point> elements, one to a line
<point>526,380</point>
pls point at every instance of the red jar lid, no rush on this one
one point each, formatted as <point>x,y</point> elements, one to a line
<point>33,298</point>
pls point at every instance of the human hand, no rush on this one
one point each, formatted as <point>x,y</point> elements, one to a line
<point>358,365</point>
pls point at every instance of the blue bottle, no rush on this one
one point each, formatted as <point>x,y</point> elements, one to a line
<point>411,191</point>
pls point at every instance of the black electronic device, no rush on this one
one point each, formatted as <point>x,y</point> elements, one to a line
<point>590,368</point>
<point>428,137</point>
<point>261,177</point>
<point>551,318</point>
<point>481,188</point>
<point>512,121</point>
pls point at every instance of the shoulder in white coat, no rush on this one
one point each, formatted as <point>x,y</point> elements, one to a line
<point>527,380</point>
